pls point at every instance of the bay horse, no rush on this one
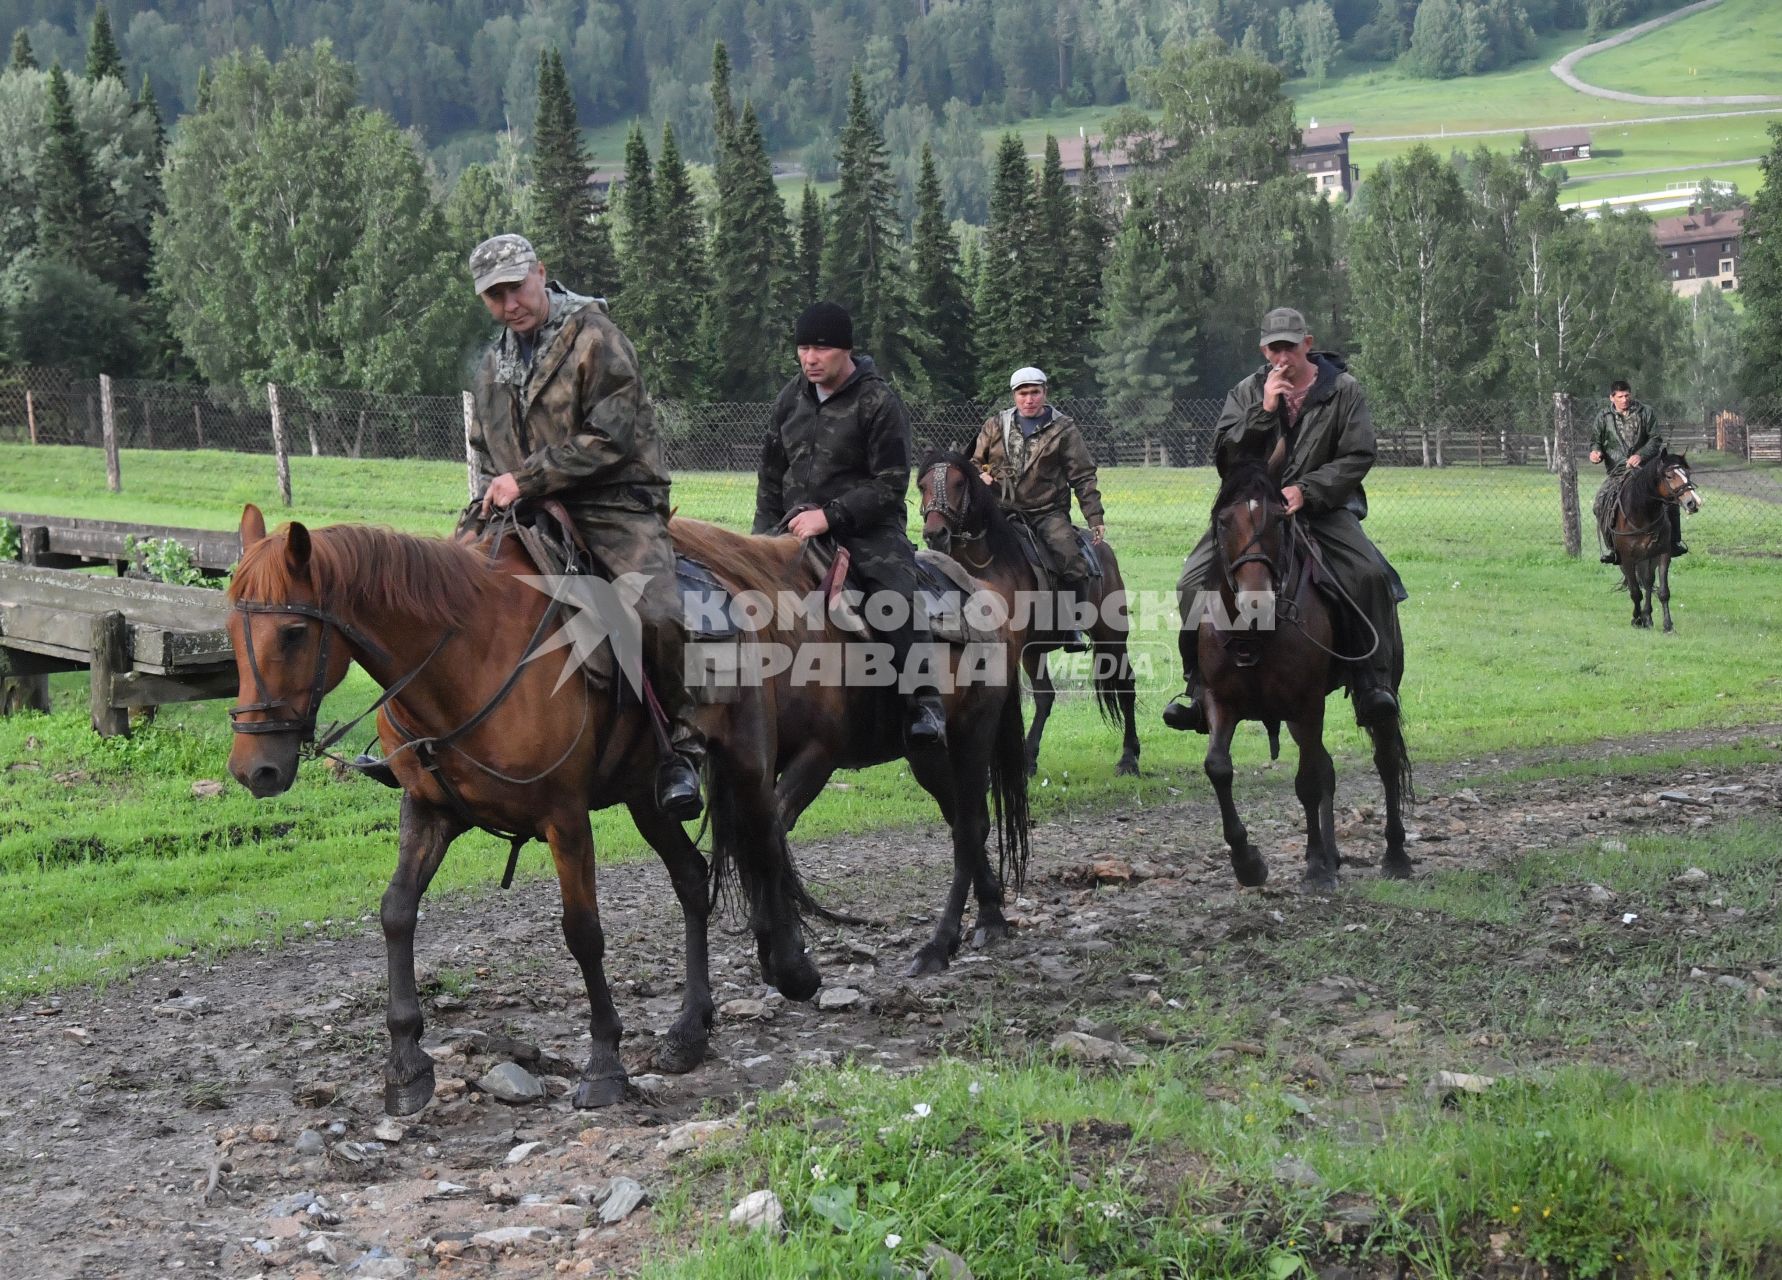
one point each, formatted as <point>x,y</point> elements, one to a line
<point>1641,530</point>
<point>961,517</point>
<point>478,735</point>
<point>1272,672</point>
<point>825,724</point>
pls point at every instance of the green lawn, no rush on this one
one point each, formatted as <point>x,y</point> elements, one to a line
<point>107,859</point>
<point>1733,48</point>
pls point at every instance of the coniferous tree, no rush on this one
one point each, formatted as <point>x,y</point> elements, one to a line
<point>1761,277</point>
<point>149,107</point>
<point>1053,222</point>
<point>24,58</point>
<point>1092,230</point>
<point>103,58</point>
<point>480,206</point>
<point>811,217</point>
<point>941,306</point>
<point>679,360</point>
<point>571,235</point>
<point>748,325</point>
<point>73,222</point>
<point>1146,356</point>
<point>723,106</point>
<point>201,95</point>
<point>862,254</point>
<point>636,202</point>
<point>1003,309</point>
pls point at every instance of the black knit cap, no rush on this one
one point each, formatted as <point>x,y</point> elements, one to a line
<point>825,324</point>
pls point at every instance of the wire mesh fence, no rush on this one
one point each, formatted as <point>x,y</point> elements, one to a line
<point>721,443</point>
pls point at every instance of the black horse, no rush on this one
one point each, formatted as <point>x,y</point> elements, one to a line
<point>1640,530</point>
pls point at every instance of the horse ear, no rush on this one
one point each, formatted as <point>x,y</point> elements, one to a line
<point>253,526</point>
<point>297,549</point>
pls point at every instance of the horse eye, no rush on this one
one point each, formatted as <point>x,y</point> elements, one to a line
<point>291,634</point>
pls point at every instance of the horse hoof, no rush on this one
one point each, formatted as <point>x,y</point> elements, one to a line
<point>992,931</point>
<point>404,1098</point>
<point>929,961</point>
<point>1325,881</point>
<point>678,1057</point>
<point>1032,768</point>
<point>1251,870</point>
<point>1127,768</point>
<point>798,980</point>
<point>604,1092</point>
<point>1396,869</point>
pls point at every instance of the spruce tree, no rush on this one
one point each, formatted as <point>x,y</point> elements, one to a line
<point>480,206</point>
<point>201,96</point>
<point>103,58</point>
<point>1092,229</point>
<point>1146,356</point>
<point>1761,277</point>
<point>679,357</point>
<point>147,105</point>
<point>73,222</point>
<point>723,106</point>
<point>862,257</point>
<point>1004,309</point>
<point>571,235</point>
<point>811,217</point>
<point>636,200</point>
<point>24,58</point>
<point>748,320</point>
<point>941,307</point>
<point>1054,217</point>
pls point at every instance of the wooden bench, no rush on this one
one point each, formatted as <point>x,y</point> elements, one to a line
<point>144,643</point>
<point>69,542</point>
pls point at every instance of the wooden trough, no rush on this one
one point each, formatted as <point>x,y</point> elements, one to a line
<point>70,542</point>
<point>143,643</point>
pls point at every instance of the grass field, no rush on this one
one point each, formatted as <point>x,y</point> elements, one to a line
<point>107,858</point>
<point>1733,48</point>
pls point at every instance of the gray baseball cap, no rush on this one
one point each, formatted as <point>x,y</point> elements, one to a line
<point>502,260</point>
<point>1283,324</point>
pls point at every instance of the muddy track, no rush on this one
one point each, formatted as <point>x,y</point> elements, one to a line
<point>156,1127</point>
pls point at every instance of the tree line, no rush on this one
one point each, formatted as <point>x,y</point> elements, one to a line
<point>289,232</point>
<point>455,67</point>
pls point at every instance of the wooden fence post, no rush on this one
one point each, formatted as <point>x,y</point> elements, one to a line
<point>108,426</point>
<point>1568,474</point>
<point>110,656</point>
<point>469,453</point>
<point>198,421</point>
<point>31,415</point>
<point>278,444</point>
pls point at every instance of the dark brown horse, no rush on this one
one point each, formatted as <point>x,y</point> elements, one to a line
<point>962,518</point>
<point>1268,652</point>
<point>1642,530</point>
<point>478,735</point>
<point>824,724</point>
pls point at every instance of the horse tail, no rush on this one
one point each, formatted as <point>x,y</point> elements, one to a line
<point>1008,791</point>
<point>1113,679</point>
<point>758,862</point>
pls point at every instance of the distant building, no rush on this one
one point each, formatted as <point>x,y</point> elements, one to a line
<point>1323,156</point>
<point>1557,146</point>
<point>1111,165</point>
<point>1701,249</point>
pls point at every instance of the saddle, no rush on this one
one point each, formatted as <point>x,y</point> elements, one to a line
<point>1039,556</point>
<point>942,586</point>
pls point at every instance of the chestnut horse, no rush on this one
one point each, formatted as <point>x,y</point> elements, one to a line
<point>480,736</point>
<point>825,724</point>
<point>1282,669</point>
<point>1641,530</point>
<point>962,518</point>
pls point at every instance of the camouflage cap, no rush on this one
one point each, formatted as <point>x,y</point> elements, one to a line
<point>502,260</point>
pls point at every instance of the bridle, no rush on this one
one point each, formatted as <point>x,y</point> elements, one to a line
<point>305,724</point>
<point>938,503</point>
<point>1285,571</point>
<point>1282,574</point>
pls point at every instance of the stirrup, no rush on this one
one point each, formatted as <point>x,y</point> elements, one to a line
<point>1373,703</point>
<point>677,790</point>
<point>1187,712</point>
<point>377,769</point>
<point>926,725</point>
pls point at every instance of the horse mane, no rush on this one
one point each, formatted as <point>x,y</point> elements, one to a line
<point>359,569</point>
<point>1640,489</point>
<point>1245,477</point>
<point>999,530</point>
<point>746,562</point>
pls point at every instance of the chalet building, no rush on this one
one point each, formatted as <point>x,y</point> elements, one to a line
<point>1558,146</point>
<point>1111,165</point>
<point>1701,249</point>
<point>1323,156</point>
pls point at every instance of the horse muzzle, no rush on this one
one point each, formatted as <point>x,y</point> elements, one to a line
<point>266,764</point>
<point>940,540</point>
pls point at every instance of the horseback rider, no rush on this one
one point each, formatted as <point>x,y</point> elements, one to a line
<point>1312,395</point>
<point>561,412</point>
<point>1036,457</point>
<point>836,461</point>
<point>1625,435</point>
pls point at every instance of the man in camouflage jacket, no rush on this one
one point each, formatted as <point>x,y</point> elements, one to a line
<point>1625,435</point>
<point>561,412</point>
<point>1333,450</point>
<point>836,461</point>
<point>1036,458</point>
